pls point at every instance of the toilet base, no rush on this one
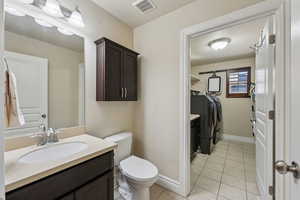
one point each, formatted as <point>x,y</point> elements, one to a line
<point>133,194</point>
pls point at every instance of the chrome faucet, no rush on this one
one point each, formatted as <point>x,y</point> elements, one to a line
<point>52,135</point>
<point>46,136</point>
<point>43,135</point>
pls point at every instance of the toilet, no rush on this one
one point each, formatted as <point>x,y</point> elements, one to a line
<point>134,175</point>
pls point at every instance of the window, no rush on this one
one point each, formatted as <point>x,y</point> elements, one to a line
<point>238,82</point>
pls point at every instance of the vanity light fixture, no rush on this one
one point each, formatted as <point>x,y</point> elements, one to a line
<point>64,31</point>
<point>43,23</point>
<point>13,11</point>
<point>219,44</point>
<point>27,1</point>
<point>76,18</point>
<point>52,8</point>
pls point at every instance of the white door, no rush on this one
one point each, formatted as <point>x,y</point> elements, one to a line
<point>264,103</point>
<point>293,135</point>
<point>32,82</point>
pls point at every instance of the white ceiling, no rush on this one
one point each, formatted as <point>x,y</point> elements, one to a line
<point>123,10</point>
<point>27,27</point>
<point>242,37</point>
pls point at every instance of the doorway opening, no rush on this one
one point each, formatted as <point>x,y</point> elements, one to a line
<point>228,91</point>
<point>268,57</point>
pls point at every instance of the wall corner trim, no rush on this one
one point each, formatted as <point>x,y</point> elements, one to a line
<point>239,138</point>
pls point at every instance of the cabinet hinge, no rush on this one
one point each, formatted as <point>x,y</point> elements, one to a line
<point>272,39</point>
<point>271,190</point>
<point>271,114</point>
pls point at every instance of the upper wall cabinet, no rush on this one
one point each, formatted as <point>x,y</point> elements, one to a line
<point>116,72</point>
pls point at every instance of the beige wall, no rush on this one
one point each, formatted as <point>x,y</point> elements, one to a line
<point>157,112</point>
<point>103,118</point>
<point>62,76</point>
<point>234,109</point>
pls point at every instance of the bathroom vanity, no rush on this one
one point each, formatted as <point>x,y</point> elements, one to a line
<point>86,175</point>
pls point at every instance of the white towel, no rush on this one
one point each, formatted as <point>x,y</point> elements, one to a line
<point>13,114</point>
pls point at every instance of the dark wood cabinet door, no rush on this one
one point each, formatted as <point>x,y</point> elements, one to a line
<point>129,70</point>
<point>116,72</point>
<point>113,74</point>
<point>99,189</point>
<point>68,197</point>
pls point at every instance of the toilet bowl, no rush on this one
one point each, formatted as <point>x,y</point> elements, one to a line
<point>140,175</point>
<point>135,175</point>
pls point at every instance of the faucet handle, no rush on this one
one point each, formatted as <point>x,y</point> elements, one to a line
<point>52,134</point>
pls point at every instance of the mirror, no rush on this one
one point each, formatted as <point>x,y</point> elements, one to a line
<point>49,69</point>
<point>214,84</point>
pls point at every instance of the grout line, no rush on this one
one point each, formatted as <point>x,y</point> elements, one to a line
<point>218,194</point>
<point>245,175</point>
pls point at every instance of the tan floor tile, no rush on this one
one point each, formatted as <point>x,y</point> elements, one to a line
<point>232,193</point>
<point>222,198</point>
<point>234,164</point>
<point>252,188</point>
<point>212,174</point>
<point>155,191</point>
<point>234,181</point>
<point>216,159</point>
<point>252,197</point>
<point>235,158</point>
<point>214,166</point>
<point>250,177</point>
<point>200,194</point>
<point>166,195</point>
<point>208,184</point>
<point>235,173</point>
<point>197,167</point>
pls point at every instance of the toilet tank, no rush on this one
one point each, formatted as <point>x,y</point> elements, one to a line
<point>124,141</point>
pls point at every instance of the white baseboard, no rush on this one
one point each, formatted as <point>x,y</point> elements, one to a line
<point>239,138</point>
<point>169,184</point>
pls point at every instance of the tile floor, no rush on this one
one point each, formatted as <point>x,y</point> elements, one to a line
<point>227,174</point>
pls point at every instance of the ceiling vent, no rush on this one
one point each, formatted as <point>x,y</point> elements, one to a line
<point>144,6</point>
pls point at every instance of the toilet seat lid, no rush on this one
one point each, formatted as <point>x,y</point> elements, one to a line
<point>138,168</point>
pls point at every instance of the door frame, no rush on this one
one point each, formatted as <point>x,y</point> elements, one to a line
<point>278,8</point>
<point>2,190</point>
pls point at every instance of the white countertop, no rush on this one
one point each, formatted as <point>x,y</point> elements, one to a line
<point>194,116</point>
<point>19,174</point>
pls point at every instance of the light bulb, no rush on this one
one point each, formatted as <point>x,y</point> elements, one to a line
<point>76,19</point>
<point>13,11</point>
<point>64,31</point>
<point>42,22</point>
<point>52,8</point>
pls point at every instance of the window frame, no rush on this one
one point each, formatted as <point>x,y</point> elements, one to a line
<point>238,95</point>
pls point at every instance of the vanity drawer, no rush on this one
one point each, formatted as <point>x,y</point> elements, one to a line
<point>66,181</point>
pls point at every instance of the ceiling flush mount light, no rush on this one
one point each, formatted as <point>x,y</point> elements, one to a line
<point>64,31</point>
<point>27,1</point>
<point>219,44</point>
<point>13,11</point>
<point>43,23</point>
<point>52,8</point>
<point>76,18</point>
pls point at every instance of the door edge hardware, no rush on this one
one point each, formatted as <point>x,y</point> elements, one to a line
<point>271,114</point>
<point>283,168</point>
<point>271,190</point>
<point>272,39</point>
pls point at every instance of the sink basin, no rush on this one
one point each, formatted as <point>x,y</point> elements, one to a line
<point>53,152</point>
